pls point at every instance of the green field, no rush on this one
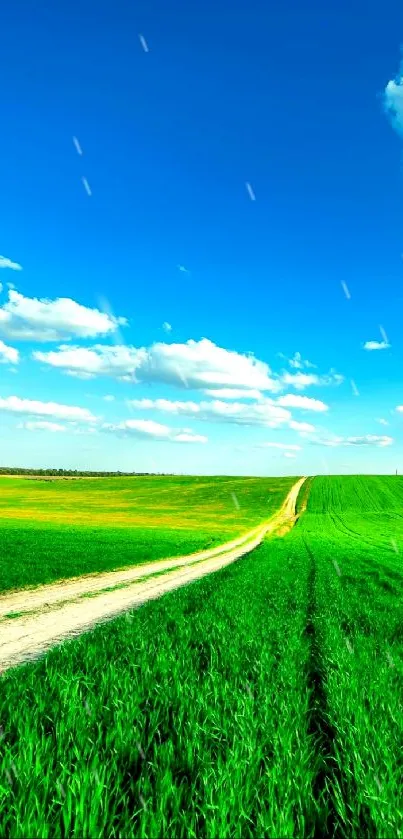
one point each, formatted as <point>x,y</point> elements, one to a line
<point>265,700</point>
<point>57,528</point>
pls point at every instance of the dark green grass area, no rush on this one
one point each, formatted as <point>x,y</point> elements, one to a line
<point>356,584</point>
<point>42,554</point>
<point>185,718</point>
<point>59,529</point>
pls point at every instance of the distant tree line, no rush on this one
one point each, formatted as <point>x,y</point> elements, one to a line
<point>75,473</point>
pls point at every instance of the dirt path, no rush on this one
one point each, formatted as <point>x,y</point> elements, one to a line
<point>63,610</point>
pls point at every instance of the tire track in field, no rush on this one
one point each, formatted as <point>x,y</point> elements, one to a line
<point>62,611</point>
<point>319,727</point>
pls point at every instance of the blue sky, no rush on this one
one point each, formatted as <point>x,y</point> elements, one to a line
<point>241,162</point>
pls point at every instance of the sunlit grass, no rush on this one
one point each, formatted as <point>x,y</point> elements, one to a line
<point>59,529</point>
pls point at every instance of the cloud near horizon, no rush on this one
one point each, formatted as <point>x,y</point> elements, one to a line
<point>366,440</point>
<point>154,430</point>
<point>266,412</point>
<point>15,405</point>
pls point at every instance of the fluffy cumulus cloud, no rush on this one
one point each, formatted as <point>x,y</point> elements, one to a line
<point>265,413</point>
<point>119,362</point>
<point>376,345</point>
<point>393,101</point>
<point>15,405</point>
<point>8,263</point>
<point>30,319</point>
<point>367,440</point>
<point>195,364</point>
<point>8,355</point>
<point>154,430</point>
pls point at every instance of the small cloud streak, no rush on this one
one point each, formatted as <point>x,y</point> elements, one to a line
<point>8,263</point>
<point>345,289</point>
<point>376,345</point>
<point>77,146</point>
<point>250,191</point>
<point>143,43</point>
<point>86,186</point>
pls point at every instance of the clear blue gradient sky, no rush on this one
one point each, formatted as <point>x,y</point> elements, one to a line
<point>242,162</point>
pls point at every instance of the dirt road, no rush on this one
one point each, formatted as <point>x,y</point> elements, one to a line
<point>55,612</point>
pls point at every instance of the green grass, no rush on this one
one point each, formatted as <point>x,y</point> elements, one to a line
<point>264,700</point>
<point>59,529</point>
<point>206,683</point>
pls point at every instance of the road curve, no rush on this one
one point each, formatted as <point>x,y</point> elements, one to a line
<point>53,613</point>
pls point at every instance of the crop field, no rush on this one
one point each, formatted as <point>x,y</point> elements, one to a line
<point>57,528</point>
<point>263,700</point>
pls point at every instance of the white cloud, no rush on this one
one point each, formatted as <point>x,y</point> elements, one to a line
<point>289,454</point>
<point>8,355</point>
<point>286,446</point>
<point>302,380</point>
<point>42,426</point>
<point>383,421</point>
<point>119,362</point>
<point>303,427</point>
<point>15,405</point>
<point>31,319</point>
<point>155,430</point>
<point>298,362</point>
<point>233,393</point>
<point>376,345</point>
<point>393,102</point>
<point>1,287</point>
<point>367,440</point>
<point>304,402</point>
<point>185,437</point>
<point>265,413</point>
<point>195,364</point>
<point>166,326</point>
<point>108,398</point>
<point>7,263</point>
